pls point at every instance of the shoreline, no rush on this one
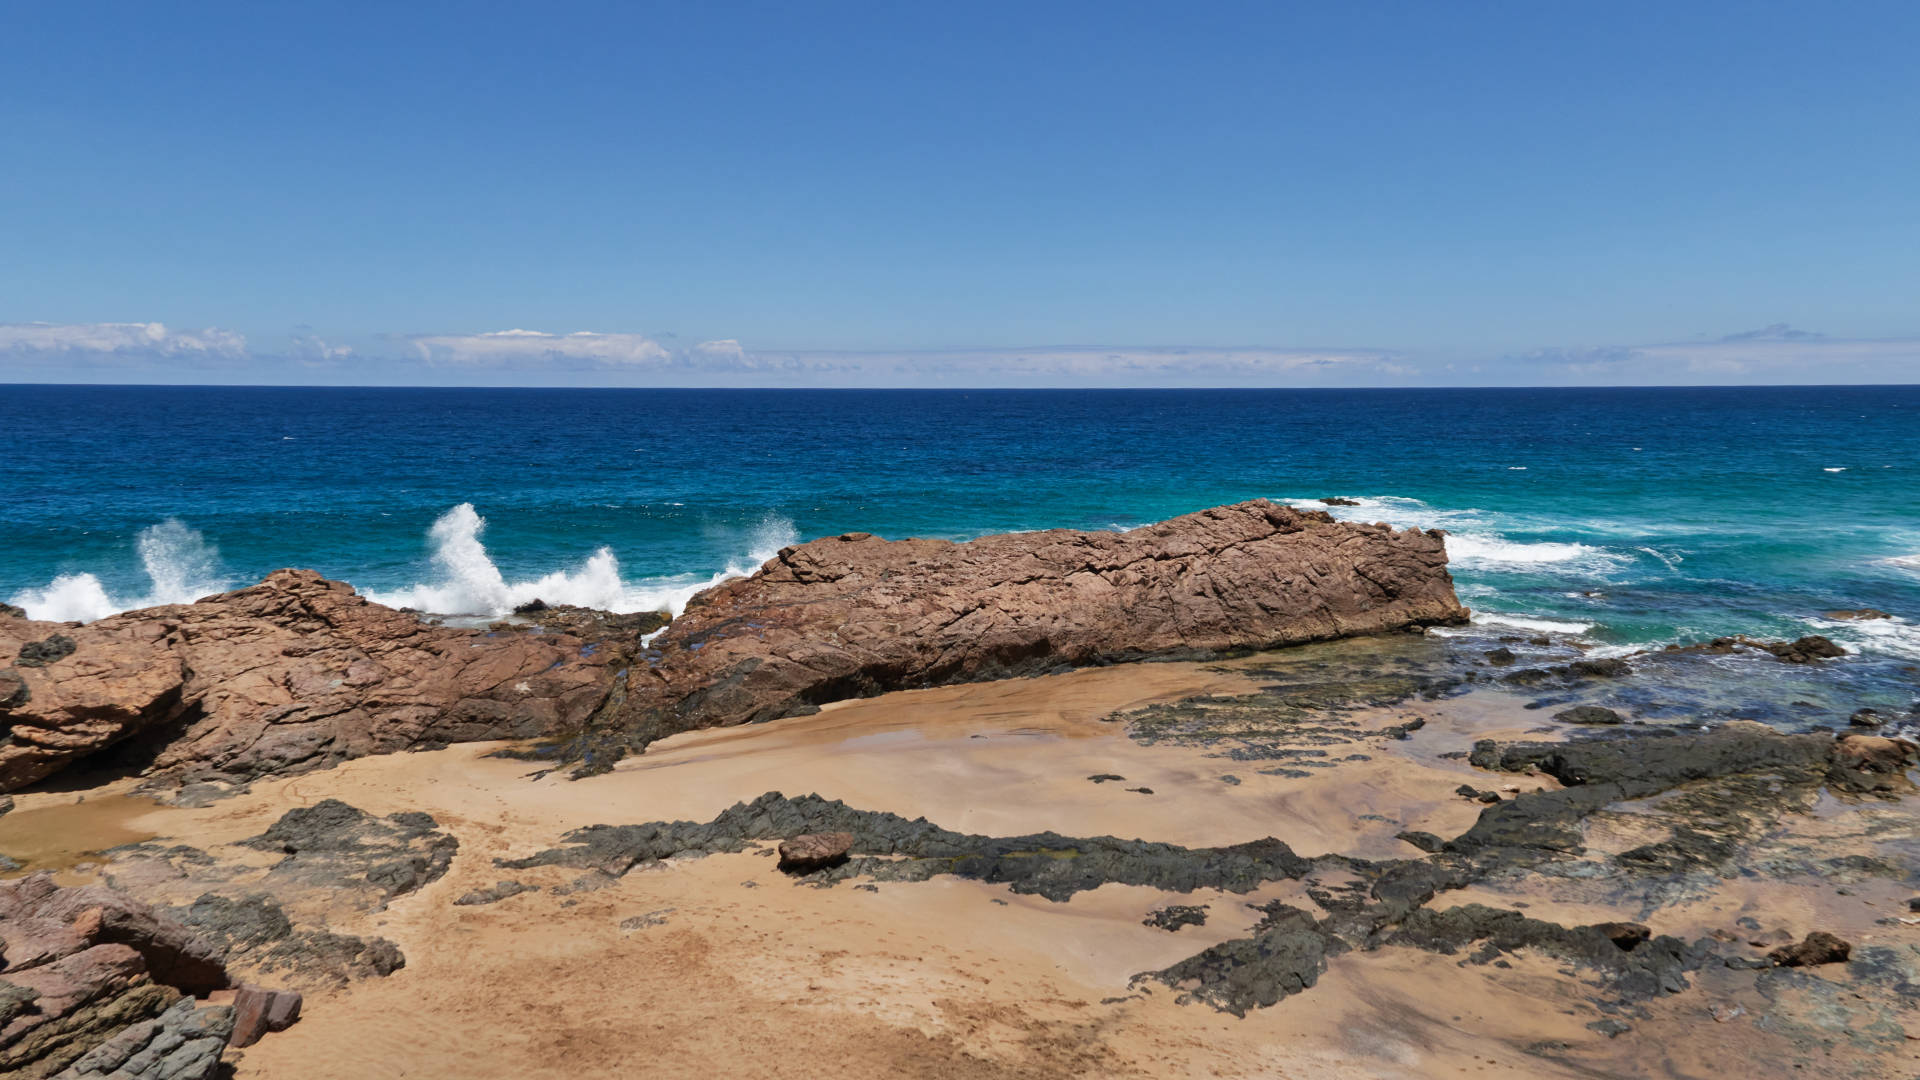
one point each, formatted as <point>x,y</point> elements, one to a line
<point>963,973</point>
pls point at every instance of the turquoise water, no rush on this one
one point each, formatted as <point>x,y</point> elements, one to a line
<point>1623,517</point>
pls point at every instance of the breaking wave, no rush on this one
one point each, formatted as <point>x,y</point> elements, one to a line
<point>180,567</point>
<point>471,584</point>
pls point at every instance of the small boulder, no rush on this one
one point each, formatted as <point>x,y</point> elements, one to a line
<point>1818,947</point>
<point>1588,714</point>
<point>1338,501</point>
<point>814,851</point>
<point>1805,650</point>
<point>1866,718</point>
<point>257,1011</point>
<point>1863,763</point>
<point>532,607</point>
<point>1500,657</point>
<point>1605,668</point>
<point>1627,935</point>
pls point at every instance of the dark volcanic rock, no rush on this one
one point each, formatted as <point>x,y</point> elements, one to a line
<point>888,847</point>
<point>41,653</point>
<point>853,615</point>
<point>1588,714</point>
<point>1500,657</point>
<point>1285,956</point>
<point>1801,651</point>
<point>1173,917</point>
<point>1338,501</point>
<point>1637,972</point>
<point>1818,947</point>
<point>294,673</point>
<point>339,846</point>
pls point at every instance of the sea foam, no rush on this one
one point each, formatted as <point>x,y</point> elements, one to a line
<point>470,583</point>
<point>179,564</point>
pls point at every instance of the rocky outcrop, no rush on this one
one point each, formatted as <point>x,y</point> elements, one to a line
<point>294,673</point>
<point>1804,650</point>
<point>854,615</point>
<point>298,672</point>
<point>93,979</point>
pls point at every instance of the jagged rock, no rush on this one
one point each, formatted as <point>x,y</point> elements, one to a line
<point>1588,714</point>
<point>1801,651</point>
<point>291,674</point>
<point>339,846</point>
<point>1339,501</point>
<point>1866,718</point>
<point>81,967</point>
<point>1173,917</point>
<point>888,847</point>
<point>1818,947</point>
<point>257,1011</point>
<point>854,615</point>
<point>1870,763</point>
<point>1856,614</point>
<point>814,851</point>
<point>41,653</point>
<point>182,1043</point>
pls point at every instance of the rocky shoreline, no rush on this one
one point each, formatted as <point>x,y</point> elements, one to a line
<point>1285,841</point>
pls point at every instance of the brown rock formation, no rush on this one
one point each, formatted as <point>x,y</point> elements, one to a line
<point>296,672</point>
<point>854,615</point>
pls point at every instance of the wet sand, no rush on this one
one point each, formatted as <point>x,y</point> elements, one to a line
<point>744,971</point>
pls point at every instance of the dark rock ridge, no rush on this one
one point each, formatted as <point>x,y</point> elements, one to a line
<point>1804,650</point>
<point>271,922</point>
<point>854,615</point>
<point>299,673</point>
<point>296,672</point>
<point>1729,785</point>
<point>94,983</point>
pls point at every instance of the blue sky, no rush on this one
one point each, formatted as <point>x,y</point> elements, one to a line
<point>983,194</point>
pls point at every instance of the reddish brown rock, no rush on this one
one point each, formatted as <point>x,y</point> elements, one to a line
<point>257,1011</point>
<point>81,966</point>
<point>814,851</point>
<point>1818,947</point>
<point>1872,763</point>
<point>854,615</point>
<point>293,673</point>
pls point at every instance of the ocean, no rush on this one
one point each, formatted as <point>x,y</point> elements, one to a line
<point>1620,518</point>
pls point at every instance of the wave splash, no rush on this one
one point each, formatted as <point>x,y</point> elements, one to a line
<point>1471,541</point>
<point>470,583</point>
<point>180,565</point>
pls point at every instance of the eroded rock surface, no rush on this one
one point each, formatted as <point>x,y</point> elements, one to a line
<point>93,979</point>
<point>854,615</point>
<point>296,672</point>
<point>267,899</point>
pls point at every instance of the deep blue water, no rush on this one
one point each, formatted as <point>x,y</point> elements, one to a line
<point>1685,512</point>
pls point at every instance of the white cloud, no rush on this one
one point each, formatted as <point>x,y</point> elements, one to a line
<point>534,348</point>
<point>119,339</point>
<point>1772,354</point>
<point>1121,366</point>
